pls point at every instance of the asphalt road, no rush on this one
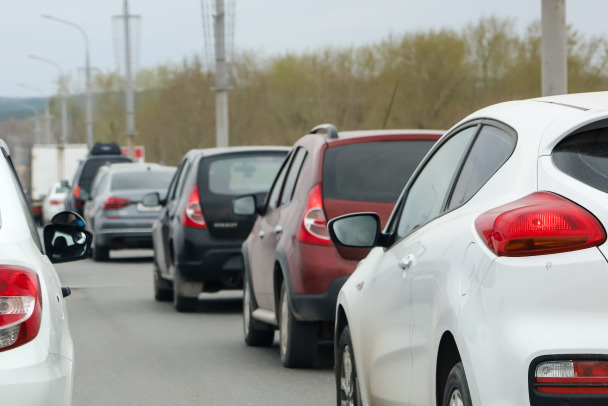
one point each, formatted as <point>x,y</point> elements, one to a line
<point>132,350</point>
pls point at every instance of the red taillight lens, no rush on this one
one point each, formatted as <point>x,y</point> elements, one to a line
<point>193,214</point>
<point>20,306</point>
<point>77,191</point>
<point>582,377</point>
<point>314,224</point>
<point>538,224</point>
<point>55,202</point>
<point>116,203</point>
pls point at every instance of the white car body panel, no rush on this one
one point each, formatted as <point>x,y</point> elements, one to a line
<point>38,372</point>
<point>503,312</point>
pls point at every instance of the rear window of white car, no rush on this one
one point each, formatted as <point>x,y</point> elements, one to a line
<point>584,156</point>
<point>371,171</point>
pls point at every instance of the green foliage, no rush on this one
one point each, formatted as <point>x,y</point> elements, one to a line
<point>439,76</point>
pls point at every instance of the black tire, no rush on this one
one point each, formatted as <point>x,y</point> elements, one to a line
<point>163,289</point>
<point>347,388</point>
<point>182,304</point>
<point>456,391</point>
<point>257,334</point>
<point>101,253</point>
<point>298,339</point>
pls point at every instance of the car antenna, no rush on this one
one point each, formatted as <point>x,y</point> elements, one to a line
<point>390,106</point>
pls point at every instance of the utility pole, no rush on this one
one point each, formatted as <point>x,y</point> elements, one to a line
<point>554,48</point>
<point>47,117</point>
<point>130,108</point>
<point>221,76</point>
<point>37,129</point>
<point>89,97</point>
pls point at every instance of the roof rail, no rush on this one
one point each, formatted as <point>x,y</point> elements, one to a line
<point>330,129</point>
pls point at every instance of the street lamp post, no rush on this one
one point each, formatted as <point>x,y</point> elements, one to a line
<point>64,115</point>
<point>89,96</point>
<point>36,121</point>
<point>47,116</point>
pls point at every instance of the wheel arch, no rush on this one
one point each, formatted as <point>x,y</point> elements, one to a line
<point>448,355</point>
<point>341,322</point>
<point>280,275</point>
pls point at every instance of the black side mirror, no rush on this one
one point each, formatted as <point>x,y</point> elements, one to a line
<point>151,200</point>
<point>355,234</point>
<point>65,238</point>
<point>244,206</point>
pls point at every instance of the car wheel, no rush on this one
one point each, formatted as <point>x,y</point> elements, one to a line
<point>346,372</point>
<point>182,304</point>
<point>100,252</point>
<point>163,290</point>
<point>298,339</point>
<point>456,391</point>
<point>257,334</point>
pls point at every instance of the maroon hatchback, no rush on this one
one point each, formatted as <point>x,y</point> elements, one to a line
<point>293,272</point>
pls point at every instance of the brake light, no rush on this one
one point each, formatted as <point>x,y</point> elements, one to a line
<point>538,224</point>
<point>77,191</point>
<point>20,306</point>
<point>314,224</point>
<point>572,377</point>
<point>193,214</point>
<point>116,203</point>
<point>55,202</point>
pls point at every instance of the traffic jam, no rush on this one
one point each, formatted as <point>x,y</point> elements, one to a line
<point>459,267</point>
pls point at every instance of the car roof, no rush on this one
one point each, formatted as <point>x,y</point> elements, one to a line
<point>231,150</point>
<point>136,166</point>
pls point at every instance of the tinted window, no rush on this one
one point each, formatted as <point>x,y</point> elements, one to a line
<point>239,175</point>
<point>371,172</point>
<point>62,189</point>
<point>584,156</point>
<point>158,180</point>
<point>294,173</point>
<point>427,195</point>
<point>273,197</point>
<point>491,149</point>
<point>92,166</point>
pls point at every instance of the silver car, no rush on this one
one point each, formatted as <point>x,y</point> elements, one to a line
<point>114,212</point>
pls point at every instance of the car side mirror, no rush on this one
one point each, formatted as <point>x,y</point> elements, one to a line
<point>84,195</point>
<point>359,230</point>
<point>151,200</point>
<point>65,238</point>
<point>244,206</point>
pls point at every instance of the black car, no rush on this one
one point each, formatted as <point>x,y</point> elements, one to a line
<point>197,238</point>
<point>80,189</point>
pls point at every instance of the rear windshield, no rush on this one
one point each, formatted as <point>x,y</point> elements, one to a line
<point>92,165</point>
<point>157,180</point>
<point>371,172</point>
<point>584,156</point>
<point>62,189</point>
<point>242,174</point>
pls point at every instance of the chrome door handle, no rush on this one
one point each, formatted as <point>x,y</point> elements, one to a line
<point>278,230</point>
<point>406,262</point>
<point>261,234</point>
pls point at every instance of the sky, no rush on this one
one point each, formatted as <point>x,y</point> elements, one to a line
<point>171,30</point>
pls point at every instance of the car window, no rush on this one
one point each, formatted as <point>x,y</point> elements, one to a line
<point>294,172</point>
<point>181,182</point>
<point>584,156</point>
<point>240,174</point>
<point>371,171</point>
<point>98,179</point>
<point>174,181</point>
<point>273,197</point>
<point>24,206</point>
<point>142,179</point>
<point>91,167</point>
<point>427,195</point>
<point>491,149</point>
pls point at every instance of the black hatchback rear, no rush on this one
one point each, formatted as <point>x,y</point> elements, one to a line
<point>197,238</point>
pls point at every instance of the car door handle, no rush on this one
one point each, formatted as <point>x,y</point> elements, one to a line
<point>278,230</point>
<point>261,234</point>
<point>406,262</point>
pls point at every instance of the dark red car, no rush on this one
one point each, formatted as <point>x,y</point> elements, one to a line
<point>293,272</point>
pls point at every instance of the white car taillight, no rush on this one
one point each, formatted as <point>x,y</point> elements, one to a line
<point>538,224</point>
<point>20,306</point>
<point>573,377</point>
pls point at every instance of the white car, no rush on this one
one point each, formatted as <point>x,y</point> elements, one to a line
<point>36,350</point>
<point>489,284</point>
<point>53,202</point>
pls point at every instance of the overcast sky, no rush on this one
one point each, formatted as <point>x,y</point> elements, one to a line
<point>172,29</point>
